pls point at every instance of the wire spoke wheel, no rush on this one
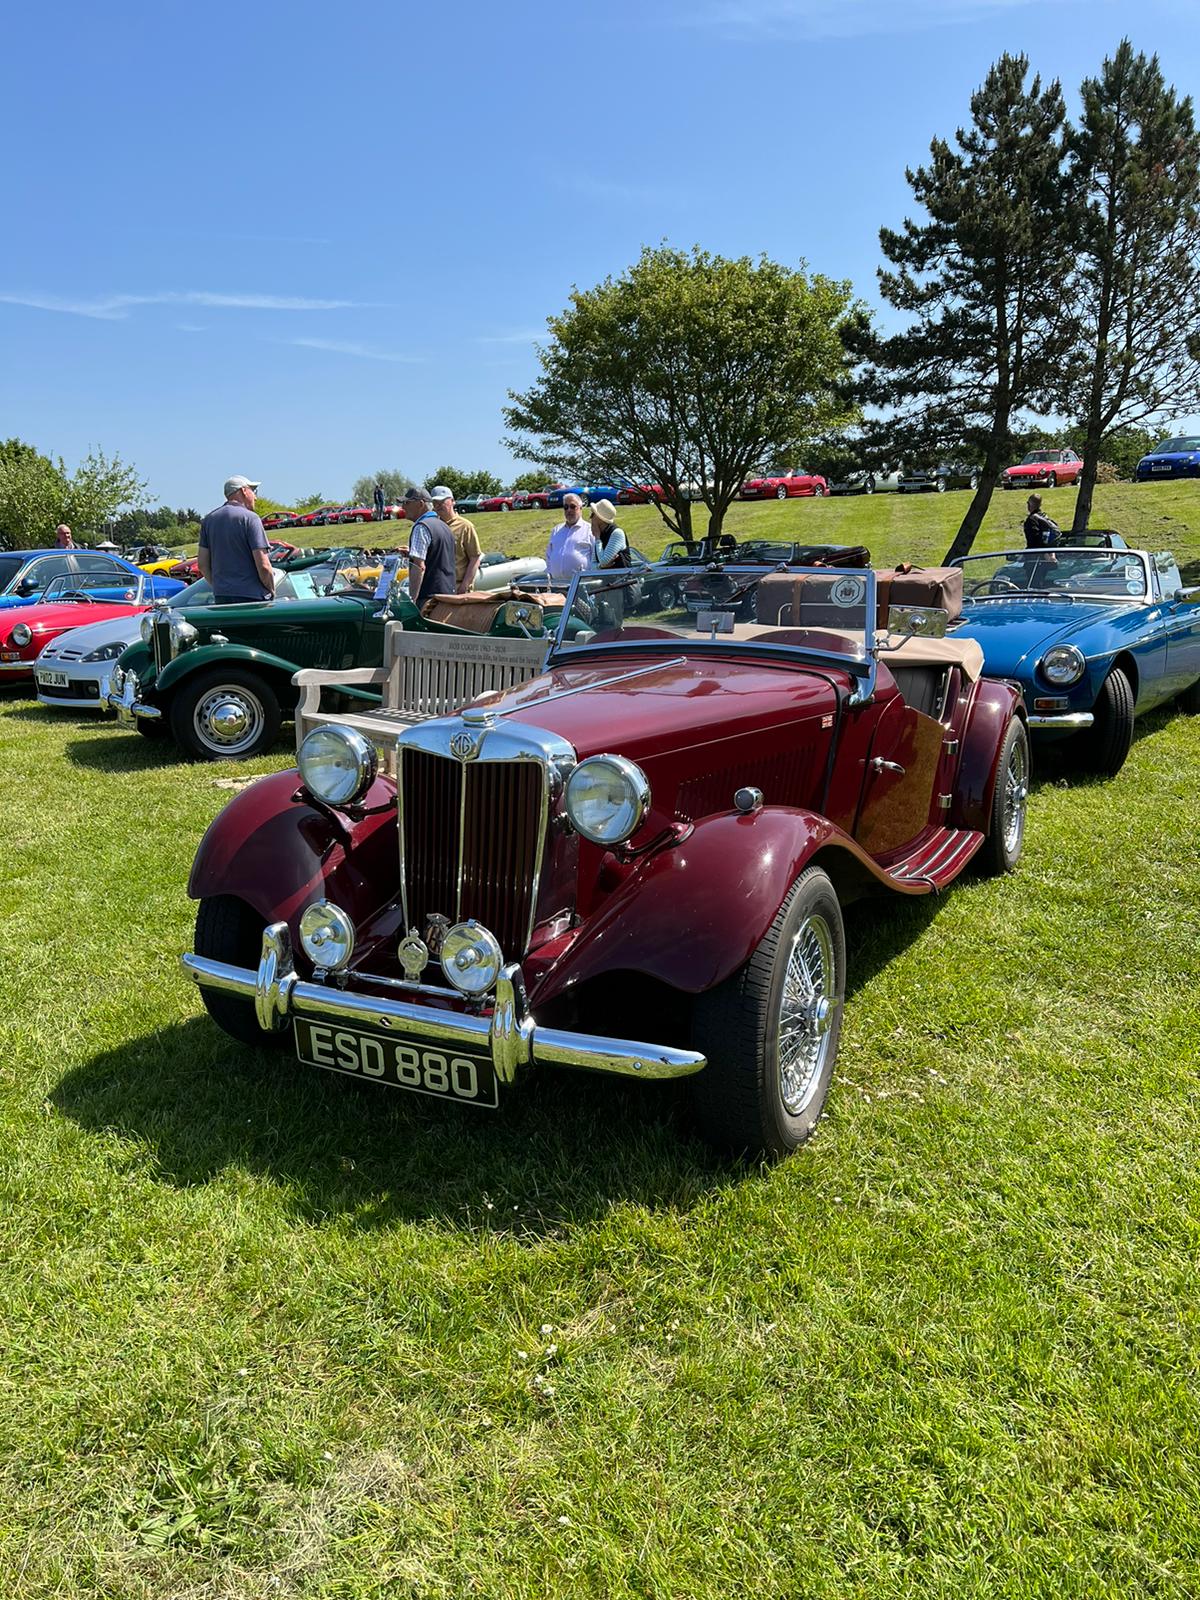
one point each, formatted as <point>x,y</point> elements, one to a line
<point>1016,796</point>
<point>806,1013</point>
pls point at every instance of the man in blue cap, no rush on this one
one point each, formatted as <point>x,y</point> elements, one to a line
<point>430,549</point>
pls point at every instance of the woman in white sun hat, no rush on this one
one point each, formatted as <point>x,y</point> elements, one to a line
<point>611,553</point>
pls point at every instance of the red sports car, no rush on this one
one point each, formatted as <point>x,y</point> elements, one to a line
<point>783,486</point>
<point>1048,469</point>
<point>640,494</point>
<point>69,602</point>
<point>278,519</point>
<point>497,502</point>
<point>530,500</point>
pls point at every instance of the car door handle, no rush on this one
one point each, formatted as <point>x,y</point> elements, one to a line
<point>881,765</point>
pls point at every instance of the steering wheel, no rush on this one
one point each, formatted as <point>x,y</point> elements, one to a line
<point>994,586</point>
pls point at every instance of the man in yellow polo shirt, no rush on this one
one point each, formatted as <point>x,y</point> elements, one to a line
<point>468,552</point>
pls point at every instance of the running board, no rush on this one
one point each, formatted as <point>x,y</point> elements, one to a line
<point>936,859</point>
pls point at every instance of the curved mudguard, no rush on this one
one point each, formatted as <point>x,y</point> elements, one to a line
<point>279,854</point>
<point>992,708</point>
<point>691,914</point>
<point>206,657</point>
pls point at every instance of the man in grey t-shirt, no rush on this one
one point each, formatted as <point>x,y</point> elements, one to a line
<point>233,548</point>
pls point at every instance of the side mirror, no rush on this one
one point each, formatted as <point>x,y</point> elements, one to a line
<point>924,622</point>
<point>27,586</point>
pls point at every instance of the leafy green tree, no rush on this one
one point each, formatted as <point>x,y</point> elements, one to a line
<point>461,483</point>
<point>524,480</point>
<point>1134,166</point>
<point>394,484</point>
<point>310,502</point>
<point>99,487</point>
<point>983,279</point>
<point>33,496</point>
<point>687,371</point>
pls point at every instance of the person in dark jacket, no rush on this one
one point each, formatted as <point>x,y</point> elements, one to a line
<point>430,549</point>
<point>1040,530</point>
<point>378,502</point>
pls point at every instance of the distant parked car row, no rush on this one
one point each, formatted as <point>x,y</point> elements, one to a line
<point>326,516</point>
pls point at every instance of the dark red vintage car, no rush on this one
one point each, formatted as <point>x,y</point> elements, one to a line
<point>634,863</point>
<point>783,486</point>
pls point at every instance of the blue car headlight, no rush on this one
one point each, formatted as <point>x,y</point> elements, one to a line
<point>1062,665</point>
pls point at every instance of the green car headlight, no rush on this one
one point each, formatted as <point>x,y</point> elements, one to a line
<point>1062,665</point>
<point>146,629</point>
<point>338,764</point>
<point>607,798</point>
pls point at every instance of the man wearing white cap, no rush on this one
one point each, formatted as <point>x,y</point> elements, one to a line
<point>233,548</point>
<point>468,552</point>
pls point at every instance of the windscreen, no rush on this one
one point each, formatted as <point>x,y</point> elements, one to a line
<point>811,609</point>
<point>1096,574</point>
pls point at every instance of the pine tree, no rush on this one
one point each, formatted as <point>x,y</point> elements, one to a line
<point>1135,169</point>
<point>983,279</point>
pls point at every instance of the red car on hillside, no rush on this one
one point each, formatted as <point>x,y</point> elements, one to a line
<point>1043,469</point>
<point>279,519</point>
<point>497,502</point>
<point>640,494</point>
<point>783,486</point>
<point>530,500</point>
<point>69,602</point>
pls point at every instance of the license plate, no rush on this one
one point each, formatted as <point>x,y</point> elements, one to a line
<point>52,680</point>
<point>1161,466</point>
<point>465,1076</point>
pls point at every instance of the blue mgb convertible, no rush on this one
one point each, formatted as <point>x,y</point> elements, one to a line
<point>1092,636</point>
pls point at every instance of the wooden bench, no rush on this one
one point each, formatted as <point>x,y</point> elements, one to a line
<point>423,675</point>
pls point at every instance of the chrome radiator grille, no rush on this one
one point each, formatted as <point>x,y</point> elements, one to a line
<point>162,643</point>
<point>470,842</point>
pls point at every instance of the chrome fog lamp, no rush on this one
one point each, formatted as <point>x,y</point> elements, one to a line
<point>471,957</point>
<point>21,635</point>
<point>327,935</point>
<point>183,635</point>
<point>338,764</point>
<point>607,798</point>
<point>146,629</point>
<point>1062,665</point>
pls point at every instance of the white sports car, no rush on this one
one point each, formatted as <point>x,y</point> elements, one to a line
<point>497,571</point>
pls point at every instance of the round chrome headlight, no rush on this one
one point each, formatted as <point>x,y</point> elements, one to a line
<point>183,635</point>
<point>327,935</point>
<point>607,798</point>
<point>1062,665</point>
<point>337,764</point>
<point>471,957</point>
<point>21,635</point>
<point>146,629</point>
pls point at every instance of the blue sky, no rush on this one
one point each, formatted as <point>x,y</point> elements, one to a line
<point>306,241</point>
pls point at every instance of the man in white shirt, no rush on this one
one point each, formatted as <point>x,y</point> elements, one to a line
<point>570,548</point>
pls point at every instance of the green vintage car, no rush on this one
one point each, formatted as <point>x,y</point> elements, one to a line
<point>220,678</point>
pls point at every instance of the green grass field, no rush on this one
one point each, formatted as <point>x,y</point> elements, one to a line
<point>264,1334</point>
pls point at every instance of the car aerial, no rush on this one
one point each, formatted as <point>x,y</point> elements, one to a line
<point>936,480</point>
<point>25,575</point>
<point>783,486</point>
<point>1093,636</point>
<point>1048,469</point>
<point>867,480</point>
<point>219,679</point>
<point>1177,457</point>
<point>495,502</point>
<point>66,603</point>
<point>634,863</point>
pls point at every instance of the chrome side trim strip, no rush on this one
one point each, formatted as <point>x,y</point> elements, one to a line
<point>1064,719</point>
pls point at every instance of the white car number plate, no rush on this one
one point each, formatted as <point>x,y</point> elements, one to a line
<point>463,1076</point>
<point>1160,466</point>
<point>52,680</point>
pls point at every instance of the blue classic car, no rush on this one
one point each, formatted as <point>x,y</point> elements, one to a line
<point>588,492</point>
<point>1173,458</point>
<point>25,575</point>
<point>1092,636</point>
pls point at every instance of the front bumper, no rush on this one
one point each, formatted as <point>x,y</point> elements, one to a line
<point>125,703</point>
<point>510,1034</point>
<point>1066,721</point>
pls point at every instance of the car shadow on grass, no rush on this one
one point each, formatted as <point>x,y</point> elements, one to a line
<point>560,1150</point>
<point>123,749</point>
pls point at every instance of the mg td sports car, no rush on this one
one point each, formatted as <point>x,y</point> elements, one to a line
<point>1093,636</point>
<point>635,863</point>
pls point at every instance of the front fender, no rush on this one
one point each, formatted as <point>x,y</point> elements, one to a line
<point>692,914</point>
<point>203,657</point>
<point>279,854</point>
<point>992,708</point>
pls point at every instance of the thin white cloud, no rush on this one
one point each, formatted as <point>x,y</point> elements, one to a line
<point>350,347</point>
<point>116,307</point>
<point>522,336</point>
<point>753,21</point>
